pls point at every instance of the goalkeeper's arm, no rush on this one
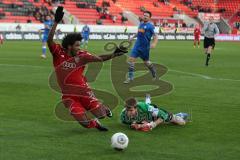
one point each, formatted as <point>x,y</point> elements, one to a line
<point>155,123</point>
<point>146,126</point>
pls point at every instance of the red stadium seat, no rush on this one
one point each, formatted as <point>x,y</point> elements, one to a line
<point>90,15</point>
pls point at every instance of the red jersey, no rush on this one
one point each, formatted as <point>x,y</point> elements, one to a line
<point>197,32</point>
<point>69,70</point>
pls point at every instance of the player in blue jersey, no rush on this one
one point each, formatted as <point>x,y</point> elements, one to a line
<point>85,36</point>
<point>142,46</point>
<point>47,26</point>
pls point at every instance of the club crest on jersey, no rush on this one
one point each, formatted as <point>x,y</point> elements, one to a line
<point>68,65</point>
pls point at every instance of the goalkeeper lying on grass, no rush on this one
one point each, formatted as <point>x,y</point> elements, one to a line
<point>144,117</point>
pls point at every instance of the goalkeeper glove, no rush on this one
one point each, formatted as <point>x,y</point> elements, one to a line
<point>59,14</point>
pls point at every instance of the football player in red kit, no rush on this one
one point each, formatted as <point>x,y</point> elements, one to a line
<point>197,34</point>
<point>69,63</point>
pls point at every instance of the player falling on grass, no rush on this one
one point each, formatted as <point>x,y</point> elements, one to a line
<point>197,35</point>
<point>145,117</point>
<point>142,46</point>
<point>210,30</point>
<point>47,26</point>
<point>85,35</point>
<point>69,63</point>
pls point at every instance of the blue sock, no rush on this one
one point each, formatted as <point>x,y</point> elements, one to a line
<point>152,69</point>
<point>44,50</point>
<point>131,70</point>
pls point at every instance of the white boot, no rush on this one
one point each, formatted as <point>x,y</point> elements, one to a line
<point>178,120</point>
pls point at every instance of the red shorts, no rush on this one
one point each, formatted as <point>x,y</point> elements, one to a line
<point>81,104</point>
<point>197,38</point>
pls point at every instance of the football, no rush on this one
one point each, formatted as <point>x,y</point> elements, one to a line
<point>119,141</point>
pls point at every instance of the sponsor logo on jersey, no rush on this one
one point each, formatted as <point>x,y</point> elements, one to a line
<point>68,65</point>
<point>141,30</point>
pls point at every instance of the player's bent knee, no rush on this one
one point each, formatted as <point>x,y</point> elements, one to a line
<point>148,63</point>
<point>131,64</point>
<point>131,59</point>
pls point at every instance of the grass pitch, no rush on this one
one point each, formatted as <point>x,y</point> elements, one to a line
<point>30,130</point>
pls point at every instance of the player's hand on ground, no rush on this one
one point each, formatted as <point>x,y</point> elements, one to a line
<point>149,124</point>
<point>145,124</point>
<point>141,127</point>
<point>59,14</point>
<point>135,126</point>
<point>120,51</point>
<point>145,128</point>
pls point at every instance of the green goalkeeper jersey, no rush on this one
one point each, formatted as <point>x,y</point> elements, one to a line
<point>145,112</point>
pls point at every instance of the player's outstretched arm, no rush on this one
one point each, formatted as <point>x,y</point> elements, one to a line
<point>146,126</point>
<point>102,58</point>
<point>50,41</point>
<point>118,52</point>
<point>155,123</point>
<point>155,41</point>
<point>58,17</point>
<point>106,57</point>
<point>216,30</point>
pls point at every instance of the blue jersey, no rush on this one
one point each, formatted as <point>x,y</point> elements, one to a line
<point>86,30</point>
<point>85,33</point>
<point>47,26</point>
<point>142,46</point>
<point>144,35</point>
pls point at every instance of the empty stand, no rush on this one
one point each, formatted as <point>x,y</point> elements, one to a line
<point>23,10</point>
<point>135,5</point>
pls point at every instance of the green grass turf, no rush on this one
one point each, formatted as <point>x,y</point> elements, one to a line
<point>30,130</point>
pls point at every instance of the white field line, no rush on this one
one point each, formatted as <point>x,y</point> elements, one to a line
<point>170,70</point>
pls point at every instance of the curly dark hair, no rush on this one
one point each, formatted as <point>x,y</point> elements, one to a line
<point>70,39</point>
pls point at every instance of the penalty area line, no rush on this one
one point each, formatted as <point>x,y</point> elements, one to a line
<point>204,76</point>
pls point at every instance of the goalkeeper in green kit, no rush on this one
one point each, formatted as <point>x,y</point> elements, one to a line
<point>143,116</point>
